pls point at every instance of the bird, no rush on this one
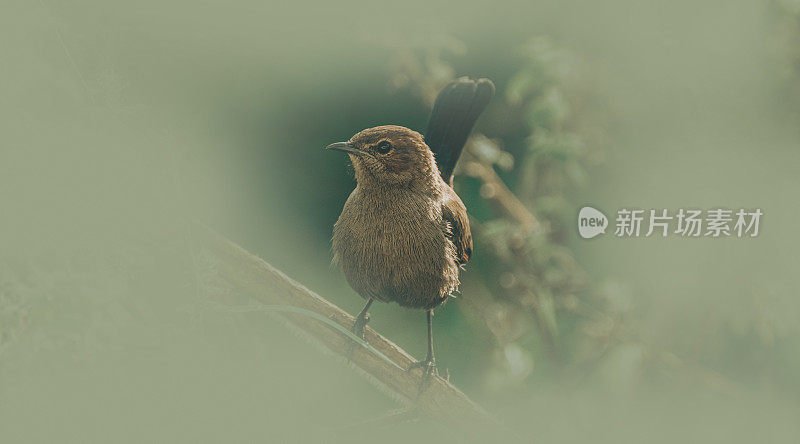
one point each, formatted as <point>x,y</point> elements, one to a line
<point>403,234</point>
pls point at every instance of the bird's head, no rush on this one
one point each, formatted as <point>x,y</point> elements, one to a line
<point>390,155</point>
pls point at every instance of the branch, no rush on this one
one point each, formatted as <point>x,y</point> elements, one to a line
<point>495,191</point>
<point>253,277</point>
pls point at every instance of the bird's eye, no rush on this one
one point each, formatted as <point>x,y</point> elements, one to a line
<point>383,147</point>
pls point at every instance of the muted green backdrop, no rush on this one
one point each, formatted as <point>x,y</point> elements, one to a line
<point>120,121</point>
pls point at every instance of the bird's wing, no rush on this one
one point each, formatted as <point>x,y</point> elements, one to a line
<point>454,214</point>
<point>454,113</point>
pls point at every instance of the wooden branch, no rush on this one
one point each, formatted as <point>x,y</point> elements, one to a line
<point>253,277</point>
<point>496,192</point>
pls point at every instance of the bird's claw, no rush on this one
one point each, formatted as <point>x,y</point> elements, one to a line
<point>429,369</point>
<point>359,324</point>
<point>428,364</point>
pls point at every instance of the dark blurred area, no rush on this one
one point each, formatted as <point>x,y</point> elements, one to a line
<point>123,122</point>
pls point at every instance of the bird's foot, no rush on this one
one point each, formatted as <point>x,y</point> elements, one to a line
<point>429,369</point>
<point>428,364</point>
<point>358,330</point>
<point>359,324</point>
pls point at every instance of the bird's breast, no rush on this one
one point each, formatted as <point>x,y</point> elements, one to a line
<point>393,248</point>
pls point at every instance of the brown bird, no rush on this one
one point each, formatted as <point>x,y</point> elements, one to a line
<point>404,232</point>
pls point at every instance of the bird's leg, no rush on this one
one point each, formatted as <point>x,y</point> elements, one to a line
<point>361,320</point>
<point>429,363</point>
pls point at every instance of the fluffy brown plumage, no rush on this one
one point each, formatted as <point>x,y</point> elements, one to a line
<point>404,232</point>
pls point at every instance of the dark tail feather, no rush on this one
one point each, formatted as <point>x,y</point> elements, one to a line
<point>454,114</point>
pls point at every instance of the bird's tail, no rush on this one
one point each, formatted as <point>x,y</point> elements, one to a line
<point>455,111</point>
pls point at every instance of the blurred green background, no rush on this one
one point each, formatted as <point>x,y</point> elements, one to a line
<point>121,121</point>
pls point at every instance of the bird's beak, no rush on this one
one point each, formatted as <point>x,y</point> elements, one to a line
<point>344,146</point>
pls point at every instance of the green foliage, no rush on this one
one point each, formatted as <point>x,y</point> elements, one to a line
<point>543,136</point>
<point>530,275</point>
